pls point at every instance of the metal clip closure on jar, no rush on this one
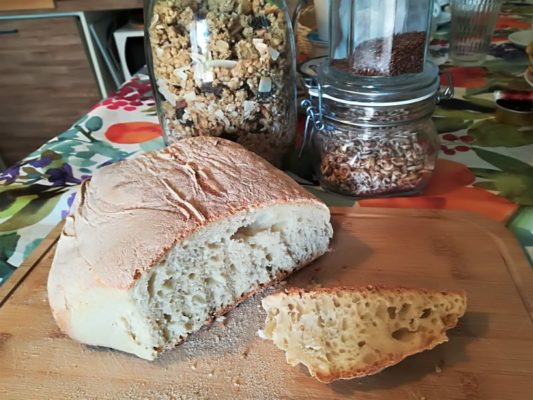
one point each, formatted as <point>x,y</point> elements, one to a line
<point>373,137</point>
<point>313,120</point>
<point>368,93</point>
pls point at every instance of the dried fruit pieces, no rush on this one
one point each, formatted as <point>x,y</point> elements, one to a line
<point>223,68</point>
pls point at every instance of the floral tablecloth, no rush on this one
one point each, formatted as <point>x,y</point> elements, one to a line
<point>485,166</point>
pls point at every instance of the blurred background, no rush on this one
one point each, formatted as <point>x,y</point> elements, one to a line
<point>58,59</point>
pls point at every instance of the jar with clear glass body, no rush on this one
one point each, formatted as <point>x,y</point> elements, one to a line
<point>371,104</point>
<point>379,37</point>
<point>224,68</point>
<point>368,151</point>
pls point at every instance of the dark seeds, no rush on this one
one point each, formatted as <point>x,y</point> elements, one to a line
<point>180,108</point>
<point>207,87</point>
<point>180,112</point>
<point>373,57</point>
<point>217,91</point>
<point>260,22</point>
<point>249,92</point>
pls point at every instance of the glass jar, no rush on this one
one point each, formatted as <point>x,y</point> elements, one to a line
<point>224,68</point>
<point>394,153</point>
<point>379,37</point>
<point>374,136</point>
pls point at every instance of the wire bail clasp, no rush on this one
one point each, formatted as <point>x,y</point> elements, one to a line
<point>449,92</point>
<point>313,120</point>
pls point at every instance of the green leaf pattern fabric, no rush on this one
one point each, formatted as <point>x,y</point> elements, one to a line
<point>36,193</point>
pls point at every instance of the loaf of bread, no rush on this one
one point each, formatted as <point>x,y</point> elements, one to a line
<point>344,333</point>
<point>156,247</point>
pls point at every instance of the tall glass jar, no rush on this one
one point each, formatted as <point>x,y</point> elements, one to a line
<point>371,106</point>
<point>379,37</point>
<point>224,68</point>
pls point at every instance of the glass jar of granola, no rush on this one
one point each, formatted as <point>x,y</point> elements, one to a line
<point>373,137</point>
<point>224,68</point>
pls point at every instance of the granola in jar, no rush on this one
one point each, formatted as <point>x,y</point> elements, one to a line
<point>225,68</point>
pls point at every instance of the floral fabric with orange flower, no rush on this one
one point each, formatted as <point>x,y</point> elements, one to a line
<point>485,166</point>
<point>37,192</point>
<point>493,156</point>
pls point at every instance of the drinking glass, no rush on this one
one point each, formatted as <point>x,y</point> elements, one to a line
<point>473,23</point>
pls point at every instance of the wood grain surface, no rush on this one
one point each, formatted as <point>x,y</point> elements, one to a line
<point>94,5</point>
<point>489,355</point>
<point>47,83</point>
<point>15,5</point>
<point>28,7</point>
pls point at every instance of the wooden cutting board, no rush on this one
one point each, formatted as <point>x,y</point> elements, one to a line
<point>489,356</point>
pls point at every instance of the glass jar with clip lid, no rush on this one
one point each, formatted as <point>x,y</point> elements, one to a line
<point>369,110</point>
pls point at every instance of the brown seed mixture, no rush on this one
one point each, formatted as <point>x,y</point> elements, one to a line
<point>400,54</point>
<point>223,68</point>
<point>386,162</point>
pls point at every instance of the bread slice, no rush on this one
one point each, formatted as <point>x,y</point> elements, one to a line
<point>344,333</point>
<point>157,246</point>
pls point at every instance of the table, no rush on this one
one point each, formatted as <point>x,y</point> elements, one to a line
<point>484,167</point>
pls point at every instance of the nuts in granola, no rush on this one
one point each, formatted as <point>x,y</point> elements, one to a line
<point>224,68</point>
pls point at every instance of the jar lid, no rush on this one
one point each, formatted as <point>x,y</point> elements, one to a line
<point>378,91</point>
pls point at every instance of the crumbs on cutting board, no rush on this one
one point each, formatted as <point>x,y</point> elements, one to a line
<point>221,362</point>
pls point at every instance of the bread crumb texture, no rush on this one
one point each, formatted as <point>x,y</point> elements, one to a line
<point>158,246</point>
<point>344,333</point>
<point>220,369</point>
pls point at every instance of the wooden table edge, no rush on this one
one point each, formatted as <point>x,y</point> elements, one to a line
<point>17,277</point>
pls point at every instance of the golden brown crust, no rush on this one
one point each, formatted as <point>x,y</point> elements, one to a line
<point>130,214</point>
<point>371,289</point>
<point>386,360</point>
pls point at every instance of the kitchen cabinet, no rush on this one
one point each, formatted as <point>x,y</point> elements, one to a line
<point>10,5</point>
<point>46,82</point>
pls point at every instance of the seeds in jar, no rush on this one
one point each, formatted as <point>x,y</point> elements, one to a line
<point>387,162</point>
<point>223,68</point>
<point>402,53</point>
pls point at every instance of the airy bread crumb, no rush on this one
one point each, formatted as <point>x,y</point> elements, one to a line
<point>344,333</point>
<point>158,246</point>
